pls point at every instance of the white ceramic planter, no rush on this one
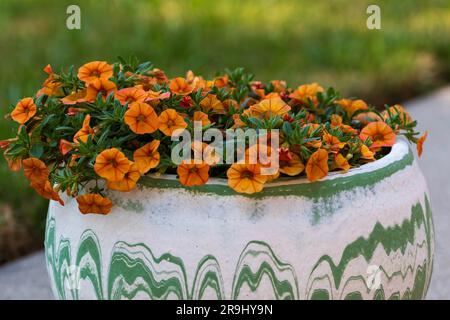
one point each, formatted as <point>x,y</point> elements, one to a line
<point>364,234</point>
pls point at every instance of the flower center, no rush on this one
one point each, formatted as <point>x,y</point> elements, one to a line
<point>193,170</point>
<point>378,137</point>
<point>247,175</point>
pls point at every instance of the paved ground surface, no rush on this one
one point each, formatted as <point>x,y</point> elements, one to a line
<point>27,278</point>
<point>433,114</point>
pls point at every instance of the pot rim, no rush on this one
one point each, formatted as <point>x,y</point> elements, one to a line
<point>400,150</point>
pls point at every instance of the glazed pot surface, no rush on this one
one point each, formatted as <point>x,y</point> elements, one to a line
<point>366,234</point>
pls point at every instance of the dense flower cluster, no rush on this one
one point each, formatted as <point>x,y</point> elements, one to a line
<point>112,123</point>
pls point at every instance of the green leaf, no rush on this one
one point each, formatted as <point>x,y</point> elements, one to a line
<point>36,150</point>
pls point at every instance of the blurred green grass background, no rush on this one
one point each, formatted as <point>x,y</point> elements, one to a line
<point>297,40</point>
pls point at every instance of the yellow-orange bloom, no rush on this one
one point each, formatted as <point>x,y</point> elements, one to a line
<point>94,203</point>
<point>85,131</point>
<point>336,122</point>
<point>45,190</point>
<point>307,92</point>
<point>269,108</point>
<point>332,143</point>
<point>129,95</point>
<point>193,174</point>
<point>147,157</point>
<point>211,103</point>
<point>153,97</point>
<point>366,117</point>
<point>201,116</point>
<point>129,181</point>
<point>94,70</point>
<point>246,178</point>
<point>141,118</point>
<point>420,143</point>
<point>366,153</point>
<point>379,133</point>
<point>51,86</point>
<point>293,166</point>
<point>317,166</point>
<point>221,82</point>
<point>341,162</point>
<point>169,121</point>
<point>351,106</point>
<point>279,85</point>
<point>74,98</point>
<point>13,164</point>
<point>209,154</point>
<point>25,109</point>
<point>35,170</point>
<point>180,86</point>
<point>102,86</point>
<point>112,165</point>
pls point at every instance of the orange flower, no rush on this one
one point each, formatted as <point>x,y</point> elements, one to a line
<point>13,164</point>
<point>272,95</point>
<point>332,143</point>
<point>85,131</point>
<point>102,86</point>
<point>201,116</point>
<point>317,166</point>
<point>35,170</point>
<point>341,162</point>
<point>366,153</point>
<point>336,122</point>
<point>46,191</point>
<point>155,96</point>
<point>238,123</point>
<point>291,165</point>
<point>306,92</point>
<point>420,143</point>
<point>211,103</point>
<point>147,157</point>
<point>128,183</point>
<point>169,121</point>
<point>379,133</point>
<point>210,155</point>
<point>25,109</point>
<point>141,118</point>
<point>198,82</point>
<point>246,178</point>
<point>269,108</point>
<point>351,106</point>
<point>94,203</point>
<point>112,165</point>
<point>193,174</point>
<point>75,97</point>
<point>366,117</point>
<point>180,86</point>
<point>51,87</point>
<point>64,146</point>
<point>279,85</point>
<point>94,70</point>
<point>129,95</point>
<point>221,82</point>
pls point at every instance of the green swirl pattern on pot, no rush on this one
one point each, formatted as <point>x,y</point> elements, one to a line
<point>294,241</point>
